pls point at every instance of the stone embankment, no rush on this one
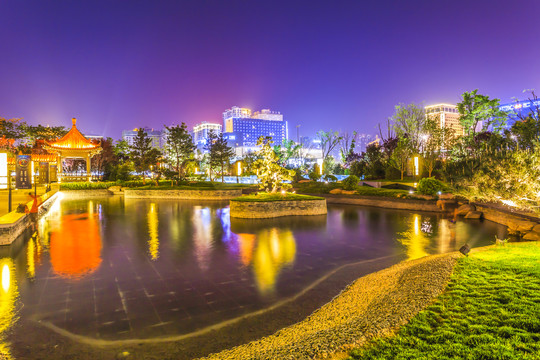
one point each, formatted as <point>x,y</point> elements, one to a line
<point>271,209</point>
<point>374,305</point>
<point>182,194</point>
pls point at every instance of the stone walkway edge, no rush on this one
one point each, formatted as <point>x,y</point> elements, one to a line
<point>372,306</point>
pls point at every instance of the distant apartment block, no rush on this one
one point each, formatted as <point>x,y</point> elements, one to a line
<point>248,127</point>
<point>158,137</point>
<point>200,133</point>
<point>448,117</point>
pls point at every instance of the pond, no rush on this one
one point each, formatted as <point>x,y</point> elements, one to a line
<point>109,268</point>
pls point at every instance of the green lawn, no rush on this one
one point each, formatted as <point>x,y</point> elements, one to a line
<point>491,310</point>
<point>266,197</point>
<point>370,191</point>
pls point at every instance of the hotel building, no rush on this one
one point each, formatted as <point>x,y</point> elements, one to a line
<point>448,117</point>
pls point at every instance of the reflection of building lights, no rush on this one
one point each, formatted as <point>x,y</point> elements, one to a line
<point>153,242</point>
<point>31,265</point>
<point>6,278</point>
<point>414,240</point>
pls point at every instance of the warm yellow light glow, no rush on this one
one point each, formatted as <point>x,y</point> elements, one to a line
<point>415,184</point>
<point>416,170</point>
<point>8,299</point>
<point>275,250</point>
<point>6,278</point>
<point>414,239</point>
<point>153,241</point>
<point>239,170</point>
<point>3,170</point>
<point>30,259</point>
<point>320,163</point>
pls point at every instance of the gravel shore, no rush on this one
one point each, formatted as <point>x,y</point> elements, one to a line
<point>374,305</point>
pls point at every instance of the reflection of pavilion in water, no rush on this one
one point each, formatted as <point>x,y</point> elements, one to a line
<point>75,244</point>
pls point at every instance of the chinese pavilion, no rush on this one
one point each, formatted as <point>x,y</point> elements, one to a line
<point>73,145</point>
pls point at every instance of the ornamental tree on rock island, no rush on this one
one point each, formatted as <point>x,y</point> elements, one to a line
<point>271,175</point>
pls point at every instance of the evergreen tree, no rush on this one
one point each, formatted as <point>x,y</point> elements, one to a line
<point>142,153</point>
<point>179,147</point>
<point>219,152</point>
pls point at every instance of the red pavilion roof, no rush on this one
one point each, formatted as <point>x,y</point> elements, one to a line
<point>73,140</point>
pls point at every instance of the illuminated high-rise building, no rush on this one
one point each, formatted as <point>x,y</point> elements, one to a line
<point>157,137</point>
<point>448,117</point>
<point>247,127</point>
<point>201,131</point>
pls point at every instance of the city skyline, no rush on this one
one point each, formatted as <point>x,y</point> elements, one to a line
<point>116,67</point>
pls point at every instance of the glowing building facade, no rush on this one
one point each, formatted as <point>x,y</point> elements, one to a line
<point>201,131</point>
<point>158,137</point>
<point>448,117</point>
<point>248,126</point>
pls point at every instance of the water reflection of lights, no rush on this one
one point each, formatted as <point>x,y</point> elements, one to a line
<point>246,243</point>
<point>414,240</point>
<point>153,241</point>
<point>275,250</point>
<point>8,298</point>
<point>75,245</point>
<point>6,278</point>
<point>33,255</point>
<point>202,236</point>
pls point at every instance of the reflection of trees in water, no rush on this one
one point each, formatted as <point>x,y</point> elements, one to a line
<point>269,252</point>
<point>350,216</point>
<point>9,293</point>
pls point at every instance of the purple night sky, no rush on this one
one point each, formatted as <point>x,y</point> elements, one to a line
<point>324,64</point>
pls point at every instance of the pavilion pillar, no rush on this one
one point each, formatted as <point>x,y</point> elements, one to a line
<point>59,169</point>
<point>88,173</point>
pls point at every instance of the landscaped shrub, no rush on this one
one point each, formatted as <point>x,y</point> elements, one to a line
<point>315,176</point>
<point>330,178</point>
<point>87,185</point>
<point>430,186</point>
<point>391,173</point>
<point>350,183</point>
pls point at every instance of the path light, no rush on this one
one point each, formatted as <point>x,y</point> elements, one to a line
<point>282,192</point>
<point>465,249</point>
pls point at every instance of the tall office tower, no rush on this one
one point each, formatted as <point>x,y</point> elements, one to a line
<point>201,131</point>
<point>448,117</point>
<point>242,125</point>
<point>157,136</point>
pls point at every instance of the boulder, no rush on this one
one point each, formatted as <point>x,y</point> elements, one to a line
<point>520,225</point>
<point>465,209</point>
<point>348,192</point>
<point>446,205</point>
<point>536,228</point>
<point>115,188</point>
<point>336,191</point>
<point>423,197</point>
<point>473,215</point>
<point>304,181</point>
<point>532,235</point>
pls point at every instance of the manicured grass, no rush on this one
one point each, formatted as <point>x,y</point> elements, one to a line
<point>266,197</point>
<point>313,187</point>
<point>322,188</point>
<point>491,310</point>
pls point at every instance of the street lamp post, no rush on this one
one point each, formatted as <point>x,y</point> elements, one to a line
<point>9,191</point>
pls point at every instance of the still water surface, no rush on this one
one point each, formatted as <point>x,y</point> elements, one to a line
<point>111,268</point>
